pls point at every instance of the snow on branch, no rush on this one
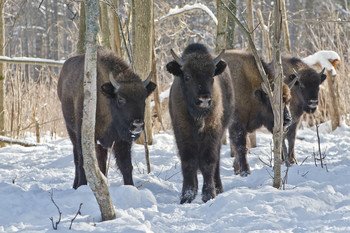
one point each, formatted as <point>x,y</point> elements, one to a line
<point>23,143</point>
<point>325,58</point>
<point>197,6</point>
<point>31,60</point>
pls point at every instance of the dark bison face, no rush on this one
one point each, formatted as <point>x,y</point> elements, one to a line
<point>197,71</point>
<point>266,112</point>
<point>307,88</point>
<point>127,105</point>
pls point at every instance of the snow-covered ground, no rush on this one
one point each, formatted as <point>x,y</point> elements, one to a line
<point>314,200</point>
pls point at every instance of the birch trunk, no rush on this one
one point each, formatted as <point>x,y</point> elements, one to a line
<point>142,50</point>
<point>2,73</point>
<point>250,20</point>
<point>93,174</point>
<point>277,104</point>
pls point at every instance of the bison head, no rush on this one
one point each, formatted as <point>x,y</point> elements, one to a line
<point>266,108</point>
<point>196,70</point>
<point>306,89</point>
<point>127,103</point>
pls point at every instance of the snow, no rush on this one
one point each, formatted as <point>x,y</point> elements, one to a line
<point>187,7</point>
<point>322,57</point>
<point>314,200</point>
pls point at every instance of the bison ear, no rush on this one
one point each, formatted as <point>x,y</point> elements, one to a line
<point>150,88</point>
<point>108,90</point>
<point>323,77</point>
<point>174,68</point>
<point>261,96</point>
<point>220,67</point>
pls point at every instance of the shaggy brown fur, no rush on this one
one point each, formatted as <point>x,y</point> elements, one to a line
<point>119,112</point>
<point>198,130</point>
<point>252,105</point>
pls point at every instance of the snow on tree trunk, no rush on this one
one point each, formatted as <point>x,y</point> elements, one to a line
<point>2,73</point>
<point>93,174</point>
<point>277,104</point>
<point>142,50</point>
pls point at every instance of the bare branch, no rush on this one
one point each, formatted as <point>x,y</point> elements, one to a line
<point>71,222</point>
<point>55,225</point>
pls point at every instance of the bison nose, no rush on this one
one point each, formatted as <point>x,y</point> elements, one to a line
<point>204,101</point>
<point>137,126</point>
<point>312,103</point>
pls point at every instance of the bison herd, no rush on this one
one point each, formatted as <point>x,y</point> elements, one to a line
<point>209,95</point>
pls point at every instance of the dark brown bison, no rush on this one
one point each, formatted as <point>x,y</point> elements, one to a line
<point>200,105</point>
<point>304,97</point>
<point>252,105</point>
<point>120,110</point>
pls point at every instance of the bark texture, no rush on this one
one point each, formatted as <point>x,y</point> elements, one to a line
<point>93,174</point>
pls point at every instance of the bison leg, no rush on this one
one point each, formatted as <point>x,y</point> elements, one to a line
<point>208,164</point>
<point>101,154</point>
<point>291,134</point>
<point>122,152</point>
<point>80,178</point>
<point>218,183</point>
<point>238,137</point>
<point>189,165</point>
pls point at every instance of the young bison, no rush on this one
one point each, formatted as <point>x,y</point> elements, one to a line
<point>200,104</point>
<point>120,110</point>
<point>252,105</point>
<point>304,97</point>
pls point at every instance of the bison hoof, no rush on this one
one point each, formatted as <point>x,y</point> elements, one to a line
<point>187,196</point>
<point>245,173</point>
<point>207,197</point>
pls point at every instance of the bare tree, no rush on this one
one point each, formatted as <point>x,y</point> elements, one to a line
<point>82,29</point>
<point>104,25</point>
<point>2,73</point>
<point>142,50</point>
<point>277,104</point>
<point>93,174</point>
<point>221,29</point>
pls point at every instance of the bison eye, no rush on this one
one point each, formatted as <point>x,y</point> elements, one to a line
<point>187,78</point>
<point>121,101</point>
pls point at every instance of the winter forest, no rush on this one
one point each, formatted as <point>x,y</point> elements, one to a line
<point>210,116</point>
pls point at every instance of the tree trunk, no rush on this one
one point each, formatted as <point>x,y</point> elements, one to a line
<point>2,72</point>
<point>285,27</point>
<point>277,104</point>
<point>115,38</point>
<point>93,174</point>
<point>334,96</point>
<point>250,20</point>
<point>142,51</point>
<point>104,25</point>
<point>230,33</point>
<point>221,28</point>
<point>82,29</point>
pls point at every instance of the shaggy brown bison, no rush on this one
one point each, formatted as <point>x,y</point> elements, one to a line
<point>304,97</point>
<point>120,110</point>
<point>200,105</point>
<point>252,105</point>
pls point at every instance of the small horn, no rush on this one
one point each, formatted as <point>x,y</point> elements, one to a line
<point>218,58</point>
<point>179,60</point>
<point>322,71</point>
<point>148,79</point>
<point>115,84</point>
